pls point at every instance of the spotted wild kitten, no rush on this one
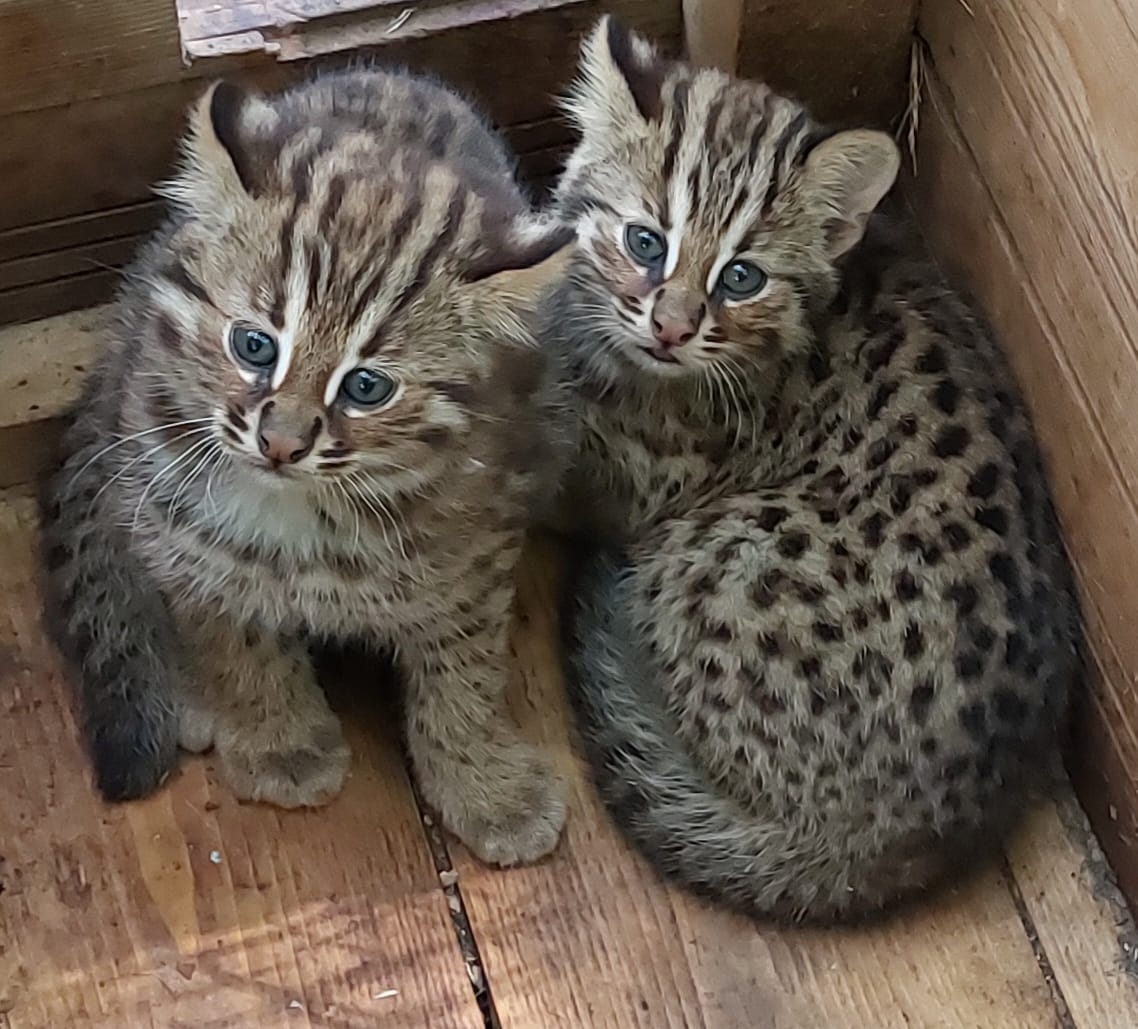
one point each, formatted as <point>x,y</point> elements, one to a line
<point>314,419</point>
<point>830,649</point>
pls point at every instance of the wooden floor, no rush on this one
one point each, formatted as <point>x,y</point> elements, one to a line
<point>189,910</point>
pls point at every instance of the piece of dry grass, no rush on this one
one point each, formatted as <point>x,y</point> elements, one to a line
<point>911,120</point>
<point>918,77</point>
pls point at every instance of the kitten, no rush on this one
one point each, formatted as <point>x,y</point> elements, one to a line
<point>831,643</point>
<point>315,419</point>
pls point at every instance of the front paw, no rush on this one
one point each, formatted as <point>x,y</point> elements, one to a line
<point>301,770</point>
<point>511,814</point>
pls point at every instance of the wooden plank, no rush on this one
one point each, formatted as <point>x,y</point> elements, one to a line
<point>1083,926</point>
<point>188,909</point>
<point>46,299</point>
<point>88,168</point>
<point>42,367</point>
<point>73,50</point>
<point>848,61</point>
<point>590,937</point>
<point>711,33</point>
<point>67,233</point>
<point>1026,181</point>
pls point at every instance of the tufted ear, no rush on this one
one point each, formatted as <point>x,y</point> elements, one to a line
<point>847,175</point>
<point>619,81</point>
<point>223,153</point>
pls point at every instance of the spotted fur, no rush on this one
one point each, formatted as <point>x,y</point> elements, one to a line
<point>829,647</point>
<point>211,516</point>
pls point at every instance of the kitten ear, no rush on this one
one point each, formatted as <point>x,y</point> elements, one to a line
<point>849,173</point>
<point>620,80</point>
<point>223,159</point>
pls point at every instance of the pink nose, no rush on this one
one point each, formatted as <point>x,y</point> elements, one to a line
<point>283,448</point>
<point>672,332</point>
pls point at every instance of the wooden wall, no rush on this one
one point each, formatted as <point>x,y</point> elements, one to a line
<point>93,94</point>
<point>92,101</point>
<point>848,59</point>
<point>1028,183</point>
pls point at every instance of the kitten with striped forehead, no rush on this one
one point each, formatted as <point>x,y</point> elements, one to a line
<point>828,648</point>
<point>315,419</point>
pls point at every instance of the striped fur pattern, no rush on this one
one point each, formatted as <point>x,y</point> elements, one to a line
<point>830,643</point>
<point>319,416</point>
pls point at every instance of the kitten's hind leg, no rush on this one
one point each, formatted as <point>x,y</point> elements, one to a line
<point>256,699</point>
<point>492,789</point>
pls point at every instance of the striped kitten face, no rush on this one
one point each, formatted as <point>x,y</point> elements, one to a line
<point>332,298</point>
<point>710,212</point>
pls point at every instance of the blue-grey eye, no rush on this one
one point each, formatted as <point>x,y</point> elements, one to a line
<point>252,347</point>
<point>741,279</point>
<point>645,245</point>
<point>365,387</point>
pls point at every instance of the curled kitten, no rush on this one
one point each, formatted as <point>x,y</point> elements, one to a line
<point>830,647</point>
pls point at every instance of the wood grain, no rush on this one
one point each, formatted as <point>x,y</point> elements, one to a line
<point>847,60</point>
<point>591,938</point>
<point>711,33</point>
<point>111,138</point>
<point>189,909</point>
<point>42,367</point>
<point>1079,915</point>
<point>1027,189</point>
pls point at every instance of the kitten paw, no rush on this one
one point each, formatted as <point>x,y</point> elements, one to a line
<point>514,825</point>
<point>291,773</point>
<point>195,729</point>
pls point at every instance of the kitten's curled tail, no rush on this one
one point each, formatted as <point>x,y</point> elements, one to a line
<point>107,617</point>
<point>692,830</point>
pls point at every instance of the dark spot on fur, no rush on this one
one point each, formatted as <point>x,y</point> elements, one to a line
<point>793,545</point>
<point>879,452</point>
<point>810,668</point>
<point>881,397</point>
<point>907,425</point>
<point>914,644</point>
<point>957,767</point>
<point>907,587</point>
<point>946,396</point>
<point>1010,707</point>
<point>969,665</point>
<point>956,537</point>
<point>983,638</point>
<point>1014,649</point>
<point>770,645</point>
<point>770,518</point>
<point>932,361</point>
<point>828,632</point>
<point>920,700</point>
<point>766,590</point>
<point>984,481</point>
<point>809,593</point>
<point>965,596</point>
<point>873,528</point>
<point>1004,569</point>
<point>993,518</point>
<point>901,497</point>
<point>951,441</point>
<point>974,720</point>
